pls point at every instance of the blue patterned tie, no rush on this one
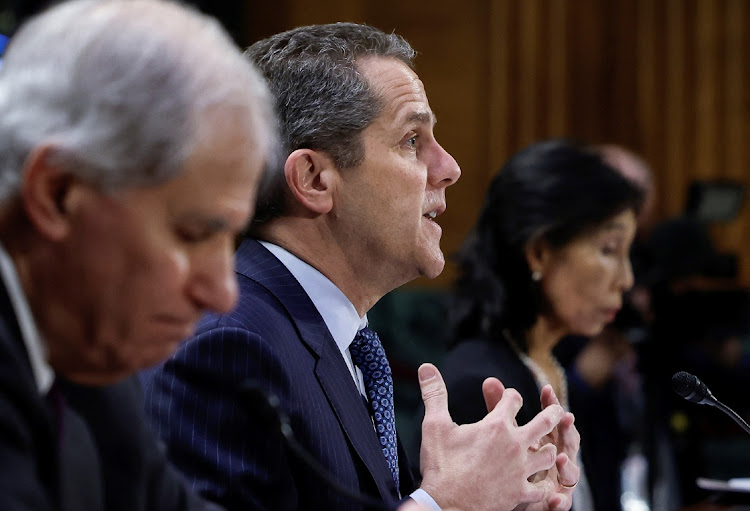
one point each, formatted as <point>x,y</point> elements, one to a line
<point>369,356</point>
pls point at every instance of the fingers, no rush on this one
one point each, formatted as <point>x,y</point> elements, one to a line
<point>569,439</point>
<point>567,429</point>
<point>507,406</point>
<point>537,491</point>
<point>568,473</point>
<point>434,393</point>
<point>559,502</point>
<point>544,422</point>
<point>542,459</point>
<point>492,389</point>
<point>548,397</point>
<point>557,496</point>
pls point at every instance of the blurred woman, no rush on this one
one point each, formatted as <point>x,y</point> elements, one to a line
<point>548,258</point>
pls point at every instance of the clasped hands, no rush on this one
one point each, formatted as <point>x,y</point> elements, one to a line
<point>494,464</point>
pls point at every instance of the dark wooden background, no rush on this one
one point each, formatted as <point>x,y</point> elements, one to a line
<point>667,78</point>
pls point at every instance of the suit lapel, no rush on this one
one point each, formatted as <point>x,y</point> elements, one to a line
<point>257,263</point>
<point>354,418</point>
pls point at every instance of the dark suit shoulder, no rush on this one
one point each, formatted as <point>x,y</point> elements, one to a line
<point>480,358</point>
<point>255,304</point>
<point>470,362</point>
<point>212,427</point>
<point>134,466</point>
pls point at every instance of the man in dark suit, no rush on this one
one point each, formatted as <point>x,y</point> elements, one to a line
<point>350,217</point>
<point>132,137</point>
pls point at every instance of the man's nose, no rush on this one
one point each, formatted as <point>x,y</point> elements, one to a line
<point>213,283</point>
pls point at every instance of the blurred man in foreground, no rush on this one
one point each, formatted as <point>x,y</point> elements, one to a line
<point>132,138</point>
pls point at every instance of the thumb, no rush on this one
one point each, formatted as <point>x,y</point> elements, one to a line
<point>493,390</point>
<point>434,393</point>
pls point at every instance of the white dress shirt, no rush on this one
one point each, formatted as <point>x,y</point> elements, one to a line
<point>37,350</point>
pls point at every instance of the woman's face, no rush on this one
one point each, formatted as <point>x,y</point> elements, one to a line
<point>584,280</point>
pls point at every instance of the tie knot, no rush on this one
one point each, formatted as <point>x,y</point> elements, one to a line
<point>366,342</point>
<point>368,354</point>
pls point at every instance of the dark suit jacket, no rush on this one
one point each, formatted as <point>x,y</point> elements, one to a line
<point>217,435</point>
<point>469,363</point>
<point>80,448</point>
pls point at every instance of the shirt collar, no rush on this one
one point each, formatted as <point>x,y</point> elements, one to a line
<point>35,346</point>
<point>334,307</point>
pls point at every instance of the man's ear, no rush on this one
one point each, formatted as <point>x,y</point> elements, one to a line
<point>311,177</point>
<point>45,193</point>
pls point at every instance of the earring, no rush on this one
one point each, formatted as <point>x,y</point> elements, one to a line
<point>536,275</point>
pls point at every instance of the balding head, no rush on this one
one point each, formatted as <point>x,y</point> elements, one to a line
<point>635,168</point>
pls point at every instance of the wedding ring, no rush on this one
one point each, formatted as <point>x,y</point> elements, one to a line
<point>566,486</point>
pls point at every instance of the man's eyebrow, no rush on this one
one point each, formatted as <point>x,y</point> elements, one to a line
<point>422,117</point>
<point>209,223</point>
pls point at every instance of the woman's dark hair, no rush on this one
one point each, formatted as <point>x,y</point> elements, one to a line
<point>555,190</point>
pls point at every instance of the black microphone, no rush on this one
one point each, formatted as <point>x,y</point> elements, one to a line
<point>267,407</point>
<point>688,386</point>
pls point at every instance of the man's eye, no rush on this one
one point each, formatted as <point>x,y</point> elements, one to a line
<point>192,235</point>
<point>611,249</point>
<point>412,142</point>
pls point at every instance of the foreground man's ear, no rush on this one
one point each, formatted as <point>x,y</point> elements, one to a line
<point>47,190</point>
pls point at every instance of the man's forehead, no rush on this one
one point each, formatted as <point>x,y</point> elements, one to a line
<point>385,73</point>
<point>402,92</point>
<point>404,111</point>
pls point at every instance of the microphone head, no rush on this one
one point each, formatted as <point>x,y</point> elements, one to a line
<point>683,383</point>
<point>689,387</point>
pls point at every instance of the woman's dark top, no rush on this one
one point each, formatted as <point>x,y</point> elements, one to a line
<point>471,361</point>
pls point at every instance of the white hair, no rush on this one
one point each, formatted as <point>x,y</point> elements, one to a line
<point>117,87</point>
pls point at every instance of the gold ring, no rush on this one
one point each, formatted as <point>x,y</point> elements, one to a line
<point>568,487</point>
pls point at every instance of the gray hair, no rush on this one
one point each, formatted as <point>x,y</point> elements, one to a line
<point>118,87</point>
<point>322,100</point>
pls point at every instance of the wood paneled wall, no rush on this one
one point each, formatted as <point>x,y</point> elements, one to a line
<point>666,78</point>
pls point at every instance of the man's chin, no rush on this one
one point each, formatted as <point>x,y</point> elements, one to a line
<point>117,366</point>
<point>433,269</point>
<point>94,378</point>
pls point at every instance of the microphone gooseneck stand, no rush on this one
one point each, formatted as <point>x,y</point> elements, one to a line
<point>688,386</point>
<point>267,408</point>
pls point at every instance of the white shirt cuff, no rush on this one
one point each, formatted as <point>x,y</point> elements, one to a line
<point>422,497</point>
